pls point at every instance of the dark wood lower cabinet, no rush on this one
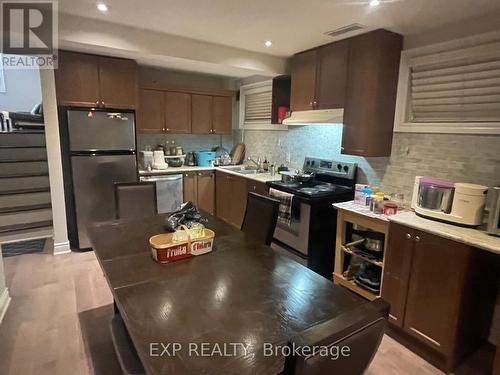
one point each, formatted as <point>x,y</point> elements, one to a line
<point>231,196</point>
<point>199,188</point>
<point>442,293</point>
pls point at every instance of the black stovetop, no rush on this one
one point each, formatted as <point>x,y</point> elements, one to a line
<point>315,189</point>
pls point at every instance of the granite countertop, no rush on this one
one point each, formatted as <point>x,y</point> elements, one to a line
<point>357,208</point>
<point>474,237</point>
<point>261,177</point>
<point>174,170</point>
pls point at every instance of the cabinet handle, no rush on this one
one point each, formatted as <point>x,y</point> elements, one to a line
<point>167,129</point>
<point>163,129</point>
<point>102,103</point>
<point>417,239</point>
<point>408,236</point>
<point>311,104</point>
<point>97,103</point>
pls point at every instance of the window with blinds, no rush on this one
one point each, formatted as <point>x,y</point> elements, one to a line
<point>450,87</point>
<point>258,107</point>
<point>464,90</point>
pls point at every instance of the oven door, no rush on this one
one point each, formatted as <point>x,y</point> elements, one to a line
<point>296,235</point>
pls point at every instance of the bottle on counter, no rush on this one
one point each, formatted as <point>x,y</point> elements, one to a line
<point>265,164</point>
<point>173,149</point>
<point>167,148</point>
<point>367,192</point>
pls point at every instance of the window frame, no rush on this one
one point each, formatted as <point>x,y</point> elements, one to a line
<point>435,53</point>
<point>255,88</point>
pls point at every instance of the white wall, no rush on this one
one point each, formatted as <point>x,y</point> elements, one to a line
<point>22,90</point>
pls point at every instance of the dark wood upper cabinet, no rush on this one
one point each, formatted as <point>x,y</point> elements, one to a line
<point>222,115</point>
<point>150,111</point>
<point>118,83</point>
<point>371,93</point>
<point>96,81</point>
<point>331,75</point>
<point>177,112</point>
<point>303,86</point>
<point>359,74</point>
<point>77,79</point>
<point>201,114</point>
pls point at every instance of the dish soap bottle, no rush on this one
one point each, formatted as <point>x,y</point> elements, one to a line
<point>265,164</point>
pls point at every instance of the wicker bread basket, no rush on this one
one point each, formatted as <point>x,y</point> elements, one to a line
<point>164,250</point>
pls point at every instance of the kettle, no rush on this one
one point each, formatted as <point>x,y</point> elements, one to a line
<point>190,159</point>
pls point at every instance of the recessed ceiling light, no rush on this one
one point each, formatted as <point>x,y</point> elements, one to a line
<point>102,7</point>
<point>374,3</point>
<point>268,43</point>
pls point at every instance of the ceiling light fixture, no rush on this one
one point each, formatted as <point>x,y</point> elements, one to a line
<point>102,7</point>
<point>268,43</point>
<point>374,3</point>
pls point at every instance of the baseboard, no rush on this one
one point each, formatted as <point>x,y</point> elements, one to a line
<point>4,303</point>
<point>62,248</point>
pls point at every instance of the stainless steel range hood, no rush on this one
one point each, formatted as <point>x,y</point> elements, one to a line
<point>319,116</point>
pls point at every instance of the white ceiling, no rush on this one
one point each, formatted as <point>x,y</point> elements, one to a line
<point>292,25</point>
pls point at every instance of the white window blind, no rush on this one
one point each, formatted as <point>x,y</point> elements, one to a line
<point>463,90</point>
<point>258,107</point>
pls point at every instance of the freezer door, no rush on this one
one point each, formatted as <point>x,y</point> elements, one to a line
<point>100,130</point>
<point>93,181</point>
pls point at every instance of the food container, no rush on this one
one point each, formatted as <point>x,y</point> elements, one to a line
<point>205,158</point>
<point>390,208</point>
<point>164,250</point>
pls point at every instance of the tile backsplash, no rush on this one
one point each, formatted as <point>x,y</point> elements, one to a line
<point>189,142</point>
<point>466,158</point>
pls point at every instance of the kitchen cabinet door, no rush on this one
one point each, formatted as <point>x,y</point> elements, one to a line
<point>223,197</point>
<point>189,187</point>
<point>397,267</point>
<point>435,287</point>
<point>150,114</point>
<point>303,87</point>
<point>201,114</point>
<point>177,112</point>
<point>257,187</point>
<point>118,83</point>
<point>371,93</point>
<point>77,79</point>
<point>238,200</point>
<point>222,114</point>
<point>331,75</point>
<point>206,191</point>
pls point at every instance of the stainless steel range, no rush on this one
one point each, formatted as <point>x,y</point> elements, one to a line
<point>309,233</point>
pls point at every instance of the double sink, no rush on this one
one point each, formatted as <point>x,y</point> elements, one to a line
<point>242,169</point>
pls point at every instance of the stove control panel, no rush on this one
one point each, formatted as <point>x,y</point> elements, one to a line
<point>330,167</point>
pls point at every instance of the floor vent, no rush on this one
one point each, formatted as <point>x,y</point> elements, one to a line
<point>345,30</point>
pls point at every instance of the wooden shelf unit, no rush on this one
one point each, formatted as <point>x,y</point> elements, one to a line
<point>345,216</point>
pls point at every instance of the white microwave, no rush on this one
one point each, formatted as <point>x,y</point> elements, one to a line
<point>494,215</point>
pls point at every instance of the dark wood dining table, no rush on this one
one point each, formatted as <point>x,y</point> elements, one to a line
<point>222,310</point>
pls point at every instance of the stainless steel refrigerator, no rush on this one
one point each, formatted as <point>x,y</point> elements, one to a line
<point>102,151</point>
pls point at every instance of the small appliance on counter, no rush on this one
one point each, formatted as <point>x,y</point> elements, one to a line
<point>146,159</point>
<point>159,160</point>
<point>455,203</point>
<point>190,159</point>
<point>494,215</point>
<point>205,158</point>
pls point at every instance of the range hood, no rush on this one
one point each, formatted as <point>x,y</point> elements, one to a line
<point>319,116</point>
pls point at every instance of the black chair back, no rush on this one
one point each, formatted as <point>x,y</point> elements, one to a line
<point>260,217</point>
<point>135,199</point>
<point>360,330</point>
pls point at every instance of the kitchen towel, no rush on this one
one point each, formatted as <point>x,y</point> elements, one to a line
<point>285,209</point>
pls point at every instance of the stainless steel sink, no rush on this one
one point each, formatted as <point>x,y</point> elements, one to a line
<point>243,169</point>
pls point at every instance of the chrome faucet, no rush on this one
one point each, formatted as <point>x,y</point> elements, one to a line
<point>258,163</point>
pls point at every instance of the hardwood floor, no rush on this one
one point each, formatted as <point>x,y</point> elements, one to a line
<point>57,322</point>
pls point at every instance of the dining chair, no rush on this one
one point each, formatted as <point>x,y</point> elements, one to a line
<point>261,216</point>
<point>135,199</point>
<point>360,330</point>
